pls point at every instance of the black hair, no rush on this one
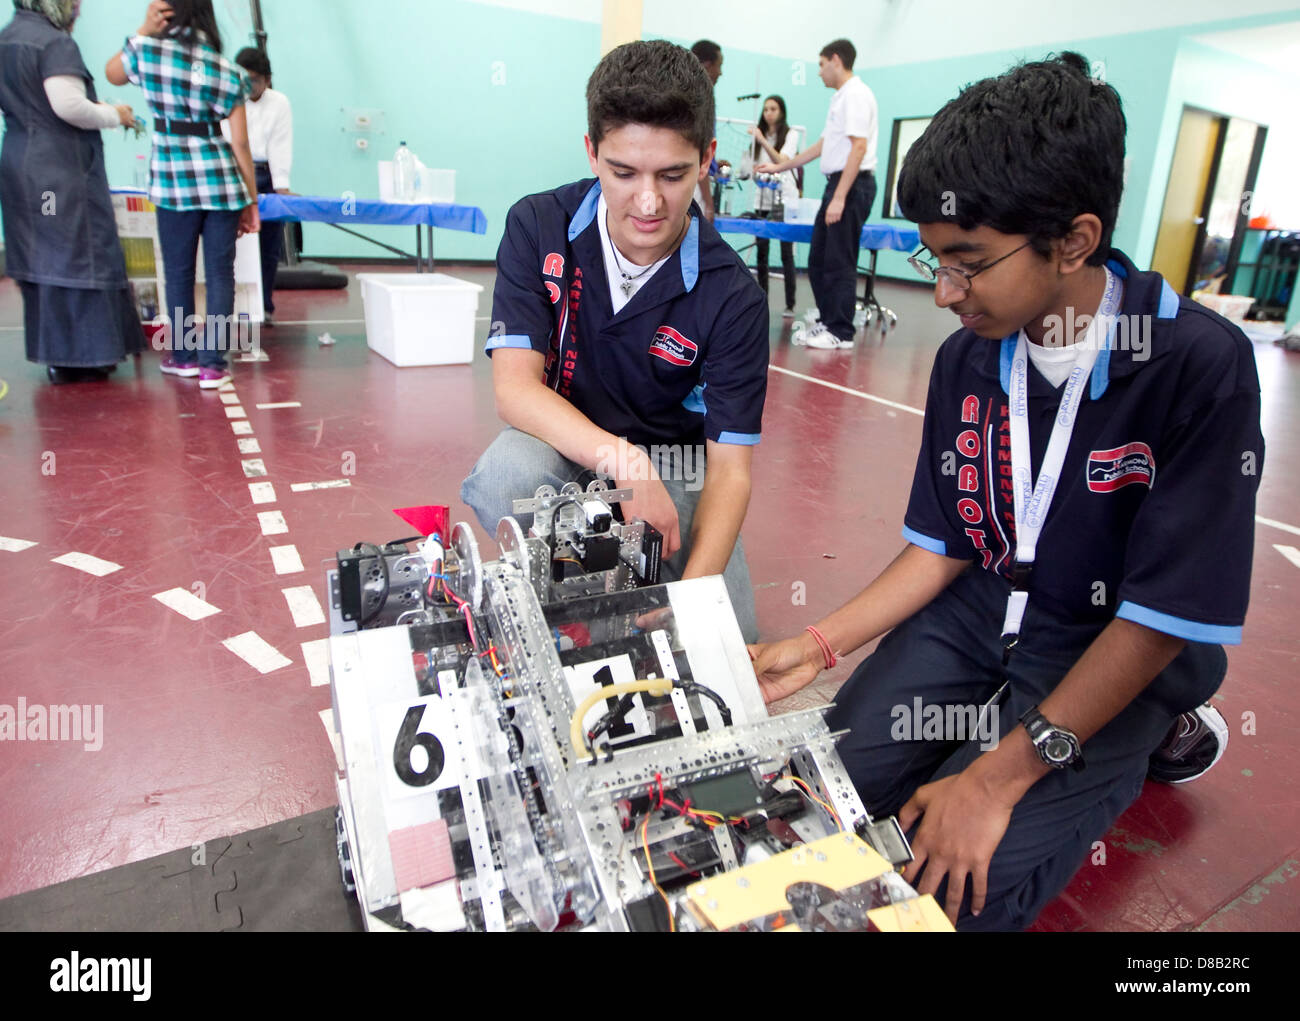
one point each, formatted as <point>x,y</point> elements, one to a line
<point>843,49</point>
<point>250,58</point>
<point>197,16</point>
<point>782,127</point>
<point>655,83</point>
<point>1024,153</point>
<point>707,51</point>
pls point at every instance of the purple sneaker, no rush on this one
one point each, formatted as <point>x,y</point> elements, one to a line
<point>210,379</point>
<point>174,368</point>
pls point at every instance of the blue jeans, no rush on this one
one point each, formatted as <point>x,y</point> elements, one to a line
<point>949,655</point>
<point>516,464</point>
<point>178,235</point>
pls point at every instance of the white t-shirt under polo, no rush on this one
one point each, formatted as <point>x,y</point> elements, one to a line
<point>617,264</point>
<point>852,113</point>
<point>1055,363</point>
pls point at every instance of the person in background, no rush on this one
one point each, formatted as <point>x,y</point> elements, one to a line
<point>709,54</point>
<point>202,185</point>
<point>270,138</point>
<point>61,243</point>
<point>847,150</point>
<point>772,135</point>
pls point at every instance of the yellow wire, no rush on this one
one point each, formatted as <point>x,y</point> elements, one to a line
<point>4,389</point>
<point>658,686</point>
<point>834,814</point>
<point>645,845</point>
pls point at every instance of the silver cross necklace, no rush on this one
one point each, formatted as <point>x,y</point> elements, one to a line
<point>629,279</point>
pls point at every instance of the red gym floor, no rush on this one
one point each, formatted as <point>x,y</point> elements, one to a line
<point>145,471</point>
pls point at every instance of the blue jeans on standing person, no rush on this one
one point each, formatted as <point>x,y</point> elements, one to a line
<point>178,236</point>
<point>909,709</point>
<point>517,463</point>
<point>833,257</point>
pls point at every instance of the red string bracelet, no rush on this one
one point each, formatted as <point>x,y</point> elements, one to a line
<point>825,646</point>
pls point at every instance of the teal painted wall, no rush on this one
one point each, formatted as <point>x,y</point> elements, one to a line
<point>497,94</point>
<point>491,92</point>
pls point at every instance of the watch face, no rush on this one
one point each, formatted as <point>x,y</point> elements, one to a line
<point>1058,749</point>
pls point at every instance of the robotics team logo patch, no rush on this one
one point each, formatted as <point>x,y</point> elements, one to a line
<point>672,347</point>
<point>1109,470</point>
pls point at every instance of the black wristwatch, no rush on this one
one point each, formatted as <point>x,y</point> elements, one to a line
<point>1056,746</point>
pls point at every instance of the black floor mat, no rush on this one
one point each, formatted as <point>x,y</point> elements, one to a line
<point>280,878</point>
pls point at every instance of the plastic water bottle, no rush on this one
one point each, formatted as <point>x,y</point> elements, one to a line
<point>140,176</point>
<point>403,174</point>
<point>778,200</point>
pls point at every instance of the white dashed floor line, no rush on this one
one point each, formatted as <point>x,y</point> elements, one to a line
<point>316,655</point>
<point>186,603</point>
<point>1278,524</point>
<point>285,559</point>
<point>261,492</point>
<point>304,606</point>
<point>85,562</point>
<point>257,652</point>
<point>272,522</point>
<point>1290,552</point>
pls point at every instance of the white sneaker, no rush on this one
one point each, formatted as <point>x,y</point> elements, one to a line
<point>822,339</point>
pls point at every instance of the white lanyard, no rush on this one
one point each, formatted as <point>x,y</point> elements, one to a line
<point>1032,499</point>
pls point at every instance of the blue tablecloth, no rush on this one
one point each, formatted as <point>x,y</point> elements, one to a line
<point>326,210</point>
<point>875,236</point>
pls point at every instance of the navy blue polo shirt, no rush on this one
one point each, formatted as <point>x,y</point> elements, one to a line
<point>1154,516</point>
<point>685,360</point>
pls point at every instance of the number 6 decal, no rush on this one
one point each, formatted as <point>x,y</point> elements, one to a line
<point>407,738</point>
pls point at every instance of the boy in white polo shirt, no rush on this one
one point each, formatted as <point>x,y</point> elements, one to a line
<point>848,153</point>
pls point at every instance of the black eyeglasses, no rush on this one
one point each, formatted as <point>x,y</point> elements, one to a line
<point>957,277</point>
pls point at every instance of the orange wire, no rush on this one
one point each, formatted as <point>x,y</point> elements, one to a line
<point>650,865</point>
<point>809,791</point>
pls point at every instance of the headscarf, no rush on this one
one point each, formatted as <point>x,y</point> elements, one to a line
<point>59,13</point>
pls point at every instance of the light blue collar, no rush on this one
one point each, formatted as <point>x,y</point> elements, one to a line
<point>690,248</point>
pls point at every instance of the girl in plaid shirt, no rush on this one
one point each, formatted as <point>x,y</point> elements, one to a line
<point>202,185</point>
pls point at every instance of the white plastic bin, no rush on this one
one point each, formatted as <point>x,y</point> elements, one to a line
<point>438,186</point>
<point>804,211</point>
<point>420,318</point>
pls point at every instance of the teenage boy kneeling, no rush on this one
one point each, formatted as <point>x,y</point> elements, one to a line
<point>1081,519</point>
<point>628,338</point>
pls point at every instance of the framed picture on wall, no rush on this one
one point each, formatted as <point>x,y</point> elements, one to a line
<point>906,131</point>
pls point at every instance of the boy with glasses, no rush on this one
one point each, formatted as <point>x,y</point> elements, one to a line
<point>1080,527</point>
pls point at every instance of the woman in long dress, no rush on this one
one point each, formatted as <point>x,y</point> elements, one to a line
<point>61,243</point>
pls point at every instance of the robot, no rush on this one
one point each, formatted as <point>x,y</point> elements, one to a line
<point>553,740</point>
